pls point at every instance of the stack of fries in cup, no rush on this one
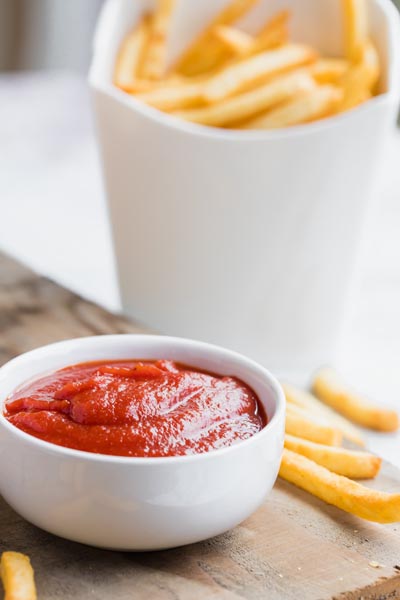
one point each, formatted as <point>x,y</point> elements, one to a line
<point>314,459</point>
<point>229,78</point>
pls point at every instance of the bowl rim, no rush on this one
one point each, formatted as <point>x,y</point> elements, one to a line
<point>171,122</point>
<point>251,365</point>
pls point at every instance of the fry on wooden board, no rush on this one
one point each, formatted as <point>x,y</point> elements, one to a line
<point>17,576</point>
<point>310,428</point>
<point>310,403</point>
<point>340,491</point>
<point>350,463</point>
<point>331,389</point>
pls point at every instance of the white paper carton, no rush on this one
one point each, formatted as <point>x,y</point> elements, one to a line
<point>245,239</point>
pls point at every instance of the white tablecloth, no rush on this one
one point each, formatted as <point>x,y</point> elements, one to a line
<point>53,218</point>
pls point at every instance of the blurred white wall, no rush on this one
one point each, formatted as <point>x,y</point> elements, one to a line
<point>46,34</point>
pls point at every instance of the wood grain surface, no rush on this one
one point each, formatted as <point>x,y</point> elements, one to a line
<point>294,547</point>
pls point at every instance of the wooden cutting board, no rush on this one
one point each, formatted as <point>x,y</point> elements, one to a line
<point>294,547</point>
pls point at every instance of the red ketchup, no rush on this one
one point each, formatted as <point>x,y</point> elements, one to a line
<point>136,408</point>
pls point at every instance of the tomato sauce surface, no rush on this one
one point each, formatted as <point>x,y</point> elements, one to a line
<point>136,408</point>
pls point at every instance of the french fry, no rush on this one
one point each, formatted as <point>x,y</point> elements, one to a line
<point>174,96</point>
<point>154,58</point>
<point>250,103</point>
<point>207,52</point>
<point>236,41</point>
<point>142,86</point>
<point>350,463</point>
<point>210,59</point>
<point>329,70</point>
<point>309,428</point>
<point>129,56</point>
<point>355,27</point>
<point>340,491</point>
<point>273,34</point>
<point>250,72</point>
<point>269,40</point>
<point>17,576</point>
<point>353,96</point>
<point>360,79</point>
<point>314,406</point>
<point>277,21</point>
<point>354,99</point>
<point>228,77</point>
<point>329,388</point>
<point>313,105</point>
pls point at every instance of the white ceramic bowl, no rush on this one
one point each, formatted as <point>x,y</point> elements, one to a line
<point>138,503</point>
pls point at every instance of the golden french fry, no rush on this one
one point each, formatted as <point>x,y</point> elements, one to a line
<point>269,40</point>
<point>329,388</point>
<point>209,59</point>
<point>140,86</point>
<point>206,52</point>
<point>17,576</point>
<point>350,463</point>
<point>355,27</point>
<point>329,70</point>
<point>236,41</point>
<point>250,72</point>
<point>217,78</point>
<point>250,103</point>
<point>129,56</point>
<point>173,96</point>
<point>278,20</point>
<point>273,34</point>
<point>153,64</point>
<point>313,105</point>
<point>354,99</point>
<point>309,428</point>
<point>312,405</point>
<point>360,79</point>
<point>340,491</point>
